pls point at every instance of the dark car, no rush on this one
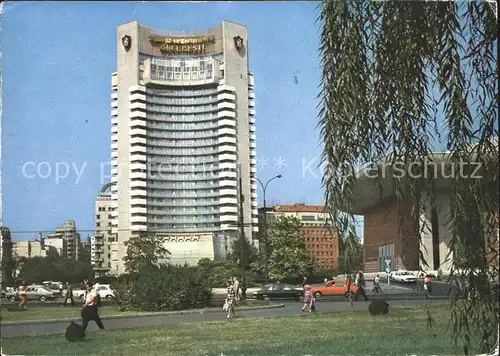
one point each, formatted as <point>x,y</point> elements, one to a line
<point>279,291</point>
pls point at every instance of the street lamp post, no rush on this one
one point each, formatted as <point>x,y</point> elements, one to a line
<point>264,233</point>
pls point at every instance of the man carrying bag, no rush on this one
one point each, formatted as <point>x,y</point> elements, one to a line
<point>90,308</point>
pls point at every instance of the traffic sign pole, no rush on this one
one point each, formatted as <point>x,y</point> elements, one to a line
<point>388,270</point>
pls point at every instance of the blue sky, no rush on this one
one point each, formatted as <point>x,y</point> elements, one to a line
<point>57,61</point>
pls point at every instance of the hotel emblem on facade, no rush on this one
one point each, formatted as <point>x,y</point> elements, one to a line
<point>238,42</point>
<point>126,42</point>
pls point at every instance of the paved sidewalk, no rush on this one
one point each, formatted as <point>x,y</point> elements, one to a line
<point>390,289</point>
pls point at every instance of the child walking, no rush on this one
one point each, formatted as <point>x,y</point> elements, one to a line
<point>308,299</point>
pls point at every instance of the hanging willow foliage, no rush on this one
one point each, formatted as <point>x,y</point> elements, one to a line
<point>399,79</point>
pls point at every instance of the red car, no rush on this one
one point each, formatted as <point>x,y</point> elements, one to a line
<point>333,287</point>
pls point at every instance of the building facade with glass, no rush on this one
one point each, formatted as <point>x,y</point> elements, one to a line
<point>183,134</point>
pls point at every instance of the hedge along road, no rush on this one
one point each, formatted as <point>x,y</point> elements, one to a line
<point>289,309</point>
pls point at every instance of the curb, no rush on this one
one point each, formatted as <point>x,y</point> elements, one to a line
<point>410,297</point>
<point>139,315</point>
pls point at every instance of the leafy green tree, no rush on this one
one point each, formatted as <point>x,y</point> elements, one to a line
<point>288,257</point>
<point>39,269</point>
<point>399,78</point>
<point>8,269</point>
<point>350,257</point>
<point>146,249</point>
<point>250,251</point>
<point>217,273</point>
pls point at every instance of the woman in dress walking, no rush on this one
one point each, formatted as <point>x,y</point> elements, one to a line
<point>308,299</point>
<point>22,296</point>
<point>230,299</point>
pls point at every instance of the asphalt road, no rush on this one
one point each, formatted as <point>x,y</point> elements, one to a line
<point>438,288</point>
<point>290,309</point>
<point>395,290</point>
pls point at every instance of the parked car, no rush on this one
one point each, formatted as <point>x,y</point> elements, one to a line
<point>53,286</point>
<point>402,276</point>
<point>333,287</point>
<point>79,294</point>
<point>106,291</point>
<point>278,291</point>
<point>33,292</point>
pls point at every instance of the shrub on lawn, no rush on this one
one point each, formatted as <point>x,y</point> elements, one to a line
<point>218,272</point>
<point>378,307</point>
<point>166,287</point>
<point>217,277</point>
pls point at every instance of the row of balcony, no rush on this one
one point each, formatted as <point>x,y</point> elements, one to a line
<point>157,147</point>
<point>181,92</point>
<point>184,110</point>
<point>159,175</point>
<point>223,112</point>
<point>179,212</point>
<point>192,202</point>
<point>221,177</point>
<point>178,228</point>
<point>181,209</point>
<point>141,196</point>
<point>142,115</point>
<point>229,218</point>
<point>157,140</point>
<point>224,153</point>
<point>199,135</point>
<point>186,168</point>
<point>183,117</point>
<point>140,161</point>
<point>159,99</point>
<point>152,184</point>
<point>221,135</point>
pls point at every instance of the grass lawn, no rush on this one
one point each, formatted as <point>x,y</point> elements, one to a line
<point>402,332</point>
<point>45,313</point>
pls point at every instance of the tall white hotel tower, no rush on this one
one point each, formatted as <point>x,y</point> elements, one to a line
<point>182,134</point>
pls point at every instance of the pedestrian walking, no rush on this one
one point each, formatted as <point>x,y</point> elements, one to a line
<point>376,285</point>
<point>308,299</point>
<point>361,287</point>
<point>90,308</point>
<point>69,295</point>
<point>427,286</point>
<point>22,296</point>
<point>230,299</point>
<point>236,287</point>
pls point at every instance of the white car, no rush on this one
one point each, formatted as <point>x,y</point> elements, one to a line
<point>105,292</point>
<point>403,277</point>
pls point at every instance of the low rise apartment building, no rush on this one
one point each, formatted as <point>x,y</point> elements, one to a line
<point>321,241</point>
